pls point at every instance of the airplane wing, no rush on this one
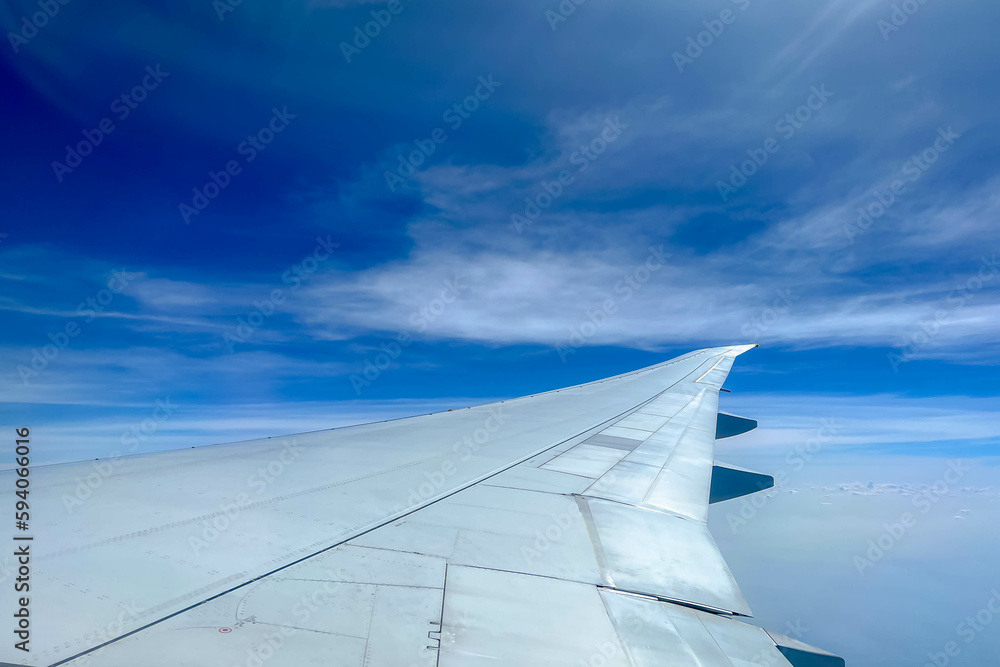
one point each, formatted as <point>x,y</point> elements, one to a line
<point>563,528</point>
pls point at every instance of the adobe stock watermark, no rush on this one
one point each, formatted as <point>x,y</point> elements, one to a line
<point>923,502</point>
<point>552,534</point>
<point>898,17</point>
<point>911,172</point>
<point>970,628</point>
<point>582,158</point>
<point>455,116</point>
<point>420,320</point>
<point>302,610</point>
<point>131,439</point>
<point>248,149</point>
<point>31,24</point>
<point>714,28</point>
<point>462,450</point>
<point>223,7</point>
<point>795,460</point>
<point>228,513</point>
<point>562,12</point>
<point>786,126</point>
<point>264,308</point>
<point>925,331</point>
<point>88,309</point>
<point>363,35</point>
<point>122,107</point>
<point>602,654</point>
<point>129,617</point>
<point>626,287</point>
<point>758,325</point>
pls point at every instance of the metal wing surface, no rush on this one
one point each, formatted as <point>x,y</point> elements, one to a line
<point>563,528</point>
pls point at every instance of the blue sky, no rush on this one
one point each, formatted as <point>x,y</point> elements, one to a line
<point>591,195</point>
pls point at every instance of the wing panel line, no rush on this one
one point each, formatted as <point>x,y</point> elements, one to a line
<point>583,434</point>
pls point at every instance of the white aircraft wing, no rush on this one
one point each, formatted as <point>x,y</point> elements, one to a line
<point>564,528</point>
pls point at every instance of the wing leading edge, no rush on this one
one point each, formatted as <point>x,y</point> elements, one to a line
<point>562,528</point>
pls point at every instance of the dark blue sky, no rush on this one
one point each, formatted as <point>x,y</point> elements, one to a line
<point>820,108</point>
